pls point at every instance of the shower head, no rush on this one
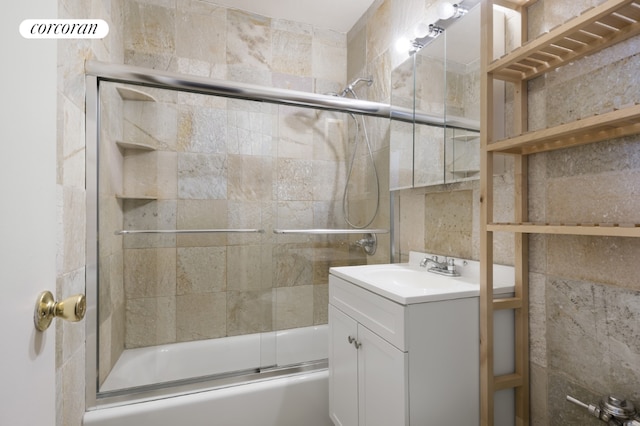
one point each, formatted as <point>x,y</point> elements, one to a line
<point>354,83</point>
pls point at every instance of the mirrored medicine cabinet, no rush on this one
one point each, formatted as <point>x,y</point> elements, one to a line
<point>440,85</point>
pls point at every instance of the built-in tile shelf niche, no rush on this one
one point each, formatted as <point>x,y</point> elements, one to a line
<point>439,84</point>
<point>139,160</point>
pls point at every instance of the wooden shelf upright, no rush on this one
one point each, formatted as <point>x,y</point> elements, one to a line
<point>595,29</point>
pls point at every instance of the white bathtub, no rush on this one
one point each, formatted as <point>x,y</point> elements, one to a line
<point>294,400</point>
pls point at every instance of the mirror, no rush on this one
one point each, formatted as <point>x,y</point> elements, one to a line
<point>441,80</point>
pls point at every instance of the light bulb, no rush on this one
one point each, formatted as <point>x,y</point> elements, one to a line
<point>403,45</point>
<point>446,10</point>
<point>420,29</point>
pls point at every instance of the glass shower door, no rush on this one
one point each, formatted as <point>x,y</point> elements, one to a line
<point>195,282</point>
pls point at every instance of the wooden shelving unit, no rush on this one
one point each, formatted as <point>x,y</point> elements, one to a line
<point>595,29</point>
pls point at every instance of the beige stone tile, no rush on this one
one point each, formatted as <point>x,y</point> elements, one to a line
<point>295,132</point>
<point>329,59</point>
<point>140,174</point>
<point>248,40</point>
<point>202,130</point>
<point>577,331</point>
<point>118,332</point>
<point>150,321</point>
<point>149,272</point>
<point>201,316</point>
<point>603,198</point>
<point>104,351</point>
<point>357,48</point>
<point>292,82</point>
<point>148,215</point>
<point>448,223</point>
<point>294,215</point>
<point>74,232</point>
<point>249,312</point>
<point>167,175</point>
<point>412,221</point>
<point>202,214</point>
<point>249,268</point>
<point>330,141</point>
<point>151,123</point>
<point>73,384</point>
<point>321,304</point>
<point>202,34</point>
<point>291,52</point>
<point>610,261</point>
<point>250,215</point>
<point>104,289</point>
<point>202,176</point>
<point>250,178</point>
<point>293,265</point>
<point>251,130</point>
<point>201,270</point>
<point>328,180</point>
<point>379,30</point>
<point>294,307</point>
<point>149,29</point>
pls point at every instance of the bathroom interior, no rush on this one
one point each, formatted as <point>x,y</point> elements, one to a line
<point>262,180</point>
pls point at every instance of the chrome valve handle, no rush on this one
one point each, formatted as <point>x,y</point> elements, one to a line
<point>613,410</point>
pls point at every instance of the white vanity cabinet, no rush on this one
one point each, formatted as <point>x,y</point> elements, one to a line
<point>392,364</point>
<point>367,375</point>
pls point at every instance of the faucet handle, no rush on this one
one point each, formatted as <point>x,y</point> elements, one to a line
<point>451,264</point>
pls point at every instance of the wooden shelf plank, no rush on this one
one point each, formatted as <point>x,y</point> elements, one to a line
<point>602,230</point>
<point>507,303</point>
<point>607,24</point>
<point>507,381</point>
<point>611,125</point>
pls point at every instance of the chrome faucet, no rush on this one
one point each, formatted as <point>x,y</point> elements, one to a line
<point>448,267</point>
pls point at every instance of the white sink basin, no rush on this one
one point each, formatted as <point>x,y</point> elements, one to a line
<point>408,283</point>
<point>403,274</point>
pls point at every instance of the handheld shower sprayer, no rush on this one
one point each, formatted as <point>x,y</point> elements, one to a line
<point>351,86</point>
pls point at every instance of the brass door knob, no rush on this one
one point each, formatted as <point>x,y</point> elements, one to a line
<point>71,309</point>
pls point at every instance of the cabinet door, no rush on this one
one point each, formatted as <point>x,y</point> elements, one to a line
<point>382,381</point>
<point>343,369</point>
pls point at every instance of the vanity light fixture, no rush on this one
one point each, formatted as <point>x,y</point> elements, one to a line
<point>420,42</point>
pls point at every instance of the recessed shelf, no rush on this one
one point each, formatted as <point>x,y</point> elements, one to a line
<point>597,128</point>
<point>593,229</point>
<point>136,197</point>
<point>129,94</point>
<point>594,30</point>
<point>135,146</point>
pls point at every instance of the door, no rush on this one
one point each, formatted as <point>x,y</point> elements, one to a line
<point>343,369</point>
<point>27,217</point>
<point>382,381</point>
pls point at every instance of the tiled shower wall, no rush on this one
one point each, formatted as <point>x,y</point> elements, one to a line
<point>70,181</point>
<point>222,163</point>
